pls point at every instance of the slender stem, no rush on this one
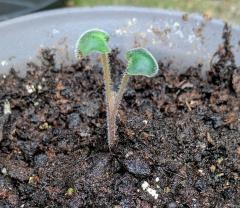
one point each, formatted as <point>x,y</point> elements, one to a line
<point>110,101</point>
<point>106,75</point>
<point>121,90</point>
<point>112,128</point>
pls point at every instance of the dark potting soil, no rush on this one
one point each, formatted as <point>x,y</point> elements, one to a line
<point>179,137</point>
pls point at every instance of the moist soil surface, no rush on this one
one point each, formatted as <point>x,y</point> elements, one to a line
<point>179,137</point>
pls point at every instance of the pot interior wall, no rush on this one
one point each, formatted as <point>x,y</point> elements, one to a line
<point>184,40</point>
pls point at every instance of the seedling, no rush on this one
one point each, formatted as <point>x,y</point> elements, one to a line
<point>140,62</point>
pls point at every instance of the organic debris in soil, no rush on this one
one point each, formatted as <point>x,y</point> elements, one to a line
<point>178,137</point>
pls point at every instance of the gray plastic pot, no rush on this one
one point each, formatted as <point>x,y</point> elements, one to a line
<point>170,37</point>
<point>15,8</point>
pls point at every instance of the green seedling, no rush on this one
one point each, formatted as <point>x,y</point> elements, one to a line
<point>140,63</point>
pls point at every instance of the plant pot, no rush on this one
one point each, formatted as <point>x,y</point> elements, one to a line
<point>14,8</point>
<point>178,132</point>
<point>184,43</point>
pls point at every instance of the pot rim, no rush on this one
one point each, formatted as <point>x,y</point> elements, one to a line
<point>72,10</point>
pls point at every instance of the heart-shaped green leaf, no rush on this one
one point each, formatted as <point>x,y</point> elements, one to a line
<point>141,62</point>
<point>94,40</point>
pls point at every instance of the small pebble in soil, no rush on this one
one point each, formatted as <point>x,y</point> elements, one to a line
<point>55,69</point>
<point>40,159</point>
<point>145,122</point>
<point>146,187</point>
<point>36,103</point>
<point>20,173</point>
<point>152,192</point>
<point>4,171</point>
<point>212,168</point>
<point>73,120</point>
<point>91,109</point>
<point>44,126</point>
<point>34,119</point>
<point>137,166</point>
<point>166,189</point>
<point>200,185</point>
<point>30,88</point>
<point>33,180</point>
<point>129,94</point>
<point>70,192</point>
<point>101,166</point>
<point>39,88</point>
<point>227,193</point>
<point>28,148</point>
<point>201,172</point>
<point>172,205</point>
<point>217,122</point>
<point>7,108</point>
<point>67,93</point>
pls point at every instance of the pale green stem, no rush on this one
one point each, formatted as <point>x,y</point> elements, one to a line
<point>110,101</point>
<point>106,75</point>
<point>121,90</point>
